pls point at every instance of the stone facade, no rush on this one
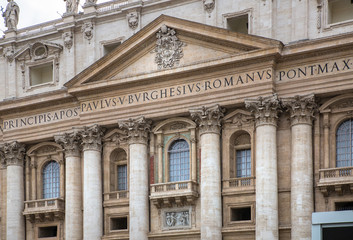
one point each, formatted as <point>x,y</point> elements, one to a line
<point>201,119</point>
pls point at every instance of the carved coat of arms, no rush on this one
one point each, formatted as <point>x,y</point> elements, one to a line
<point>168,48</point>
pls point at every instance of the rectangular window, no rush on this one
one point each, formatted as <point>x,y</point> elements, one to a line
<point>343,206</point>
<point>339,11</point>
<point>243,163</point>
<point>41,74</point>
<point>342,233</point>
<point>110,47</point>
<point>122,177</point>
<point>238,24</point>
<point>118,223</point>
<point>240,214</point>
<point>46,232</point>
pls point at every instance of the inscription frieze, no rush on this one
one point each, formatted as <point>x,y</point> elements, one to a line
<point>315,70</point>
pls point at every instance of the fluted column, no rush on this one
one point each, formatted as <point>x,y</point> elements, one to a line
<point>266,114</point>
<point>301,110</point>
<point>15,224</point>
<point>73,185</point>
<point>92,183</point>
<point>138,130</point>
<point>209,120</point>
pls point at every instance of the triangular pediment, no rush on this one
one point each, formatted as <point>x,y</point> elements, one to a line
<point>169,46</point>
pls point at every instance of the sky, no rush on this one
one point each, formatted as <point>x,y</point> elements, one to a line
<point>38,11</point>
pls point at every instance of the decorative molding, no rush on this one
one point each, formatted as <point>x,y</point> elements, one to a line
<point>318,17</point>
<point>177,219</point>
<point>347,103</point>
<point>89,3</point>
<point>37,51</point>
<point>87,30</point>
<point>70,143</point>
<point>14,153</point>
<point>9,53</point>
<point>133,19</point>
<point>208,118</point>
<point>265,109</point>
<point>137,129</point>
<point>168,48</point>
<point>68,39</point>
<point>177,126</point>
<point>209,5</point>
<point>92,137</point>
<point>301,108</point>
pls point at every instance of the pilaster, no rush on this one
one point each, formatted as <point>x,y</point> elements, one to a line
<point>14,156</point>
<point>73,197</point>
<point>92,138</point>
<point>265,110</point>
<point>92,182</point>
<point>208,118</point>
<point>209,121</point>
<point>301,110</point>
<point>138,131</point>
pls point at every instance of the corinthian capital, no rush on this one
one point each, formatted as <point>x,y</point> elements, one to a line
<point>13,153</point>
<point>70,143</point>
<point>265,109</point>
<point>301,108</point>
<point>92,137</point>
<point>2,157</point>
<point>137,129</point>
<point>208,118</point>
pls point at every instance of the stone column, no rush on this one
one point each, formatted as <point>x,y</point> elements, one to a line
<point>138,130</point>
<point>301,110</point>
<point>266,111</point>
<point>209,120</point>
<point>73,185</point>
<point>15,221</point>
<point>92,183</point>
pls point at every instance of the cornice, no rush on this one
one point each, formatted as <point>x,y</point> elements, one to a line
<point>8,106</point>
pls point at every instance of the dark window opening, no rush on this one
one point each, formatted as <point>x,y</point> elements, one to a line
<point>110,47</point>
<point>118,223</point>
<point>238,24</point>
<point>240,214</point>
<point>41,74</point>
<point>343,206</point>
<point>340,10</point>
<point>341,233</point>
<point>45,232</point>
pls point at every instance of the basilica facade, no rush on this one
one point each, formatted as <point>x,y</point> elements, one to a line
<point>175,119</point>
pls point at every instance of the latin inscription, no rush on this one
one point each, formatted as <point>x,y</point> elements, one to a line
<point>315,70</point>
<point>176,91</point>
<point>39,119</point>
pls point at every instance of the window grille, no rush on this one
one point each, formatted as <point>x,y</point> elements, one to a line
<point>122,177</point>
<point>344,144</point>
<point>179,161</point>
<point>243,163</point>
<point>51,180</point>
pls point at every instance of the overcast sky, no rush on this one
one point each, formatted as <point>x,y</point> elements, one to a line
<point>38,11</point>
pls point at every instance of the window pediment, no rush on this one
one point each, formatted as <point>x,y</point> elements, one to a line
<point>37,51</point>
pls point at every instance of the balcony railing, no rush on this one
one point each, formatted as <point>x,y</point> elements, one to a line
<point>336,180</point>
<point>174,192</point>
<point>112,5</point>
<point>239,182</point>
<point>340,173</point>
<point>116,195</point>
<point>44,205</point>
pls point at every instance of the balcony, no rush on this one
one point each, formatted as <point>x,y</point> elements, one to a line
<point>44,210</point>
<point>116,198</point>
<point>239,185</point>
<point>181,193</point>
<point>338,180</point>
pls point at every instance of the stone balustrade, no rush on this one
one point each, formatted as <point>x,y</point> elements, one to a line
<point>112,5</point>
<point>336,180</point>
<point>44,205</point>
<point>239,185</point>
<point>182,192</point>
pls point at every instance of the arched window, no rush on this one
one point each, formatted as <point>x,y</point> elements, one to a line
<point>51,180</point>
<point>344,144</point>
<point>179,161</point>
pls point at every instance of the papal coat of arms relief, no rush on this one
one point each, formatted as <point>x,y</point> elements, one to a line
<point>168,48</point>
